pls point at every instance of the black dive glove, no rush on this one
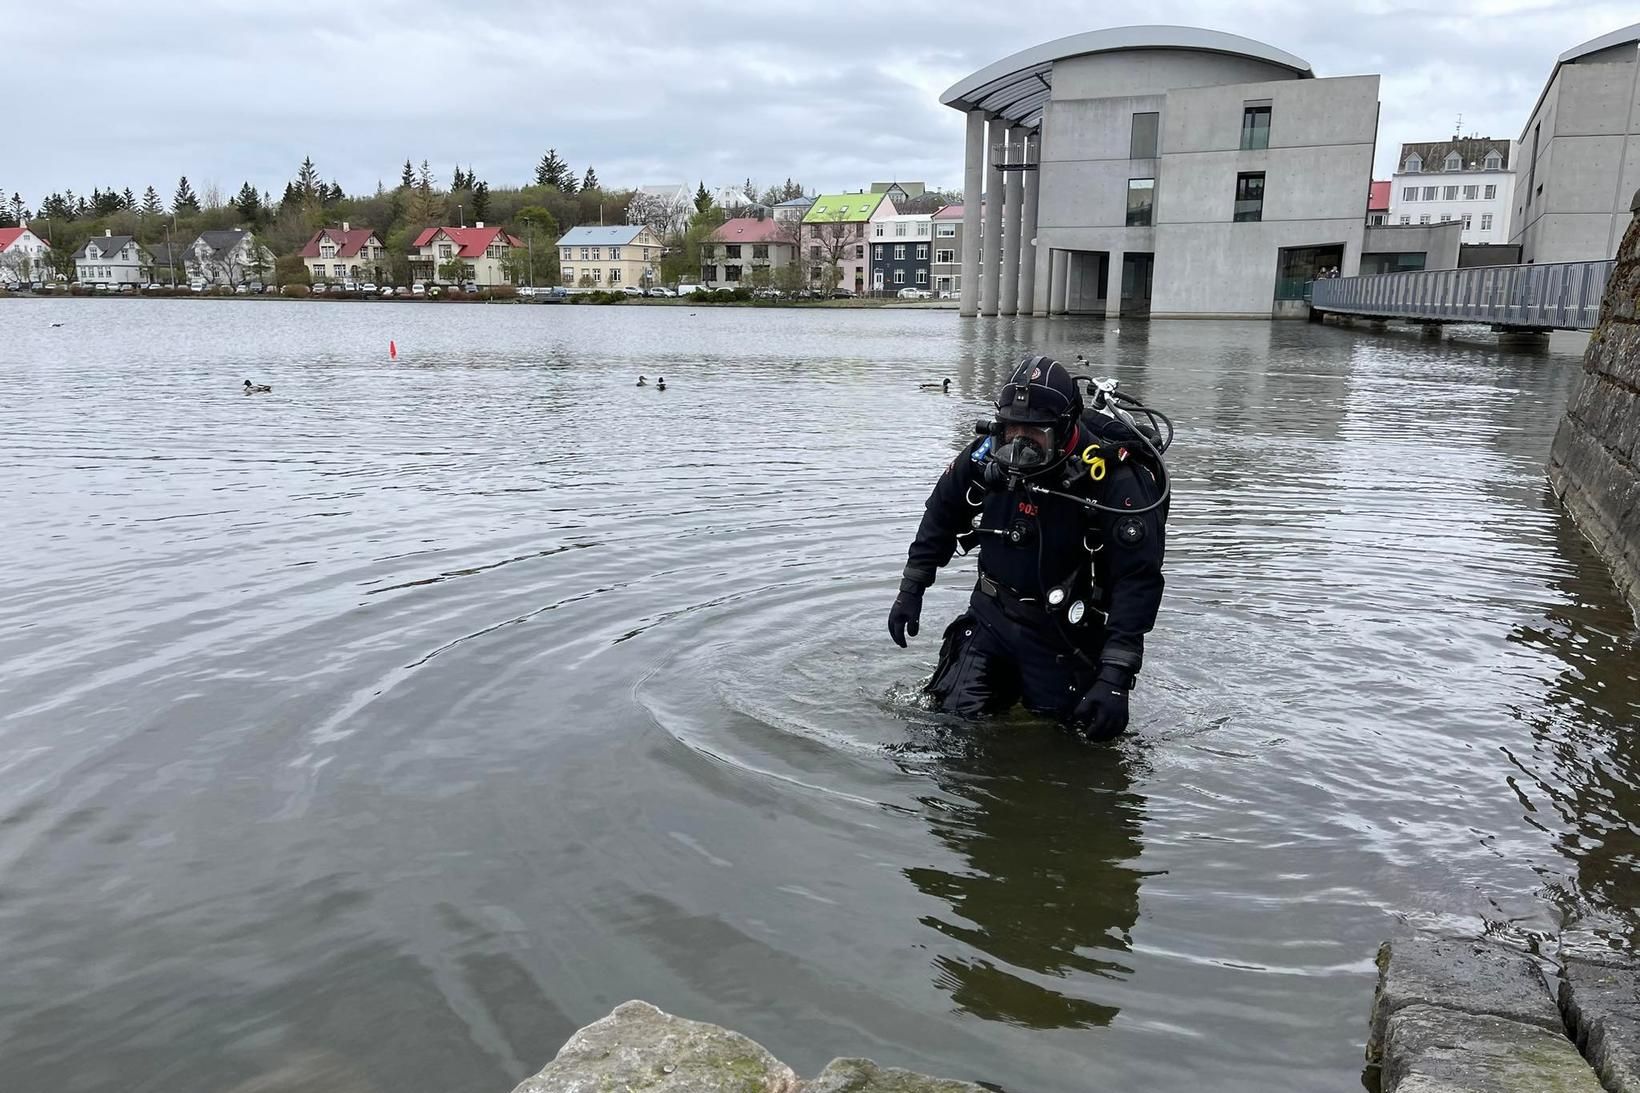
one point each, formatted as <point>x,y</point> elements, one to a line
<point>904,616</point>
<point>1103,712</point>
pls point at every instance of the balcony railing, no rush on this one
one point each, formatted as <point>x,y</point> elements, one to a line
<point>1551,296</point>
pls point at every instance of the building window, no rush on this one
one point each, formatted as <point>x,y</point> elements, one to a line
<point>1491,193</point>
<point>567,255</point>
<point>1494,161</point>
<point>860,252</point>
<point>814,252</point>
<point>1255,125</point>
<point>1486,222</point>
<point>1413,164</point>
<point>1449,193</point>
<point>1376,219</point>
<point>877,252</point>
<point>614,254</point>
<point>922,252</point>
<point>444,250</point>
<point>877,230</point>
<point>1141,201</point>
<point>760,250</point>
<point>731,273</point>
<point>341,270</point>
<point>614,275</point>
<point>1142,142</point>
<point>1454,162</point>
<point>1409,193</point>
<point>1470,193</point>
<point>899,277</point>
<point>1446,218</point>
<point>877,279</point>
<point>899,230</point>
<point>732,250</point>
<point>327,251</point>
<point>922,277</point>
<point>1424,219</point>
<point>1430,192</point>
<point>1466,224</point>
<point>596,255</point>
<point>1406,219</point>
<point>945,256</point>
<point>899,252</point>
<point>946,231</point>
<point>569,275</point>
<point>586,253</point>
<point>597,275</point>
<point>1249,197</point>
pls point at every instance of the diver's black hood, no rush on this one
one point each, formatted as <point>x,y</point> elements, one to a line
<point>1040,392</point>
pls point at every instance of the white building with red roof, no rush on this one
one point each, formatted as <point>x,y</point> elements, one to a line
<point>484,251</point>
<point>748,250</point>
<point>24,256</point>
<point>345,254</point>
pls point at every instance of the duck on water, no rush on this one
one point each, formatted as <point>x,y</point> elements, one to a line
<point>257,388</point>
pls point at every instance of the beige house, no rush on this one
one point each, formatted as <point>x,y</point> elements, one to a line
<point>748,250</point>
<point>345,254</point>
<point>610,257</point>
<point>483,252</point>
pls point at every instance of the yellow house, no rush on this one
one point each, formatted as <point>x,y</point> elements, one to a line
<point>610,258</point>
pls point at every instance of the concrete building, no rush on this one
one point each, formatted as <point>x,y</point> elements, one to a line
<point>1167,171</point>
<point>345,254</point>
<point>901,252</point>
<point>748,250</point>
<point>1579,154</point>
<point>1397,248</point>
<point>834,236</point>
<point>485,252</point>
<point>24,257</point>
<point>1466,179</point>
<point>610,257</point>
<point>945,268</point>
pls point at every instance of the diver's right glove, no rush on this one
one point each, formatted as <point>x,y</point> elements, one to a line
<point>904,616</point>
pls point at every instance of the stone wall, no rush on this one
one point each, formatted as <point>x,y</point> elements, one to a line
<point>1594,466</point>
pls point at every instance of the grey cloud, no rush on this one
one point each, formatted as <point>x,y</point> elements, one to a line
<point>836,95</point>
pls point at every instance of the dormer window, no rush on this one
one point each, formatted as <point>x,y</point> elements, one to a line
<point>1414,164</point>
<point>1454,162</point>
<point>1494,161</point>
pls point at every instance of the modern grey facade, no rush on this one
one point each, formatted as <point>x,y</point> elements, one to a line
<point>1164,170</point>
<point>1579,155</point>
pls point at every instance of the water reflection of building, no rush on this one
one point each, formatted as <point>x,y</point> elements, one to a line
<point>1043,913</point>
<point>1586,758</point>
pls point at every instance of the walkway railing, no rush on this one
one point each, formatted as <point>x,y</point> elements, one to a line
<point>1552,296</point>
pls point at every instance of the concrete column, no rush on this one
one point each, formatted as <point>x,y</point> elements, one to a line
<point>990,259</point>
<point>1013,190</point>
<point>1040,278</point>
<point>1027,228</point>
<point>1058,279</point>
<point>1113,286</point>
<point>973,179</point>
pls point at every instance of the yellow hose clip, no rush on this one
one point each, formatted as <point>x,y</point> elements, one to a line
<point>1095,462</point>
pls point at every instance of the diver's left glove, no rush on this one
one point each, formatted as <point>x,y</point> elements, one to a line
<point>904,616</point>
<point>1103,712</point>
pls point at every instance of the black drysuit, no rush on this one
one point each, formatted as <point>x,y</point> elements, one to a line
<point>1014,644</point>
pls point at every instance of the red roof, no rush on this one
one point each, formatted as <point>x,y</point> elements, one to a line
<point>8,236</point>
<point>749,229</point>
<point>949,212</point>
<point>472,240</point>
<point>347,242</point>
<point>1378,198</point>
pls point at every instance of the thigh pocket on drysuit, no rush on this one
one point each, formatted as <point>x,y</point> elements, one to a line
<point>958,636</point>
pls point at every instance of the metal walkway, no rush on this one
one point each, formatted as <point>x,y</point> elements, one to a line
<point>1553,296</point>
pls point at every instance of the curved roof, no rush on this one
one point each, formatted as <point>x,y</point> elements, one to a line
<point>1017,87</point>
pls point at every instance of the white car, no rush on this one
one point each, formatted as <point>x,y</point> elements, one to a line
<point>631,290</point>
<point>661,290</point>
<point>419,288</point>
<point>387,290</point>
<point>368,288</point>
<point>525,292</point>
<point>911,293</point>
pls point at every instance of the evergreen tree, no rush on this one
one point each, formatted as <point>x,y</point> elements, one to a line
<point>249,205</point>
<point>292,197</point>
<point>703,198</point>
<point>130,198</point>
<point>185,201</point>
<point>18,210</point>
<point>331,195</point>
<point>570,186</point>
<point>590,181</point>
<point>481,199</point>
<point>552,171</point>
<point>307,180</point>
<point>408,178</point>
<point>150,203</point>
<point>106,203</point>
<point>81,208</point>
<point>7,218</point>
<point>750,190</point>
<point>426,180</point>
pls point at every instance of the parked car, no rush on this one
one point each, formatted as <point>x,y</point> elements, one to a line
<point>468,286</point>
<point>685,290</point>
<point>842,294</point>
<point>386,291</point>
<point>661,290</point>
<point>256,288</point>
<point>525,292</point>
<point>948,294</point>
<point>196,284</point>
<point>434,291</point>
<point>631,290</point>
<point>911,292</point>
<point>368,288</point>
<point>242,290</point>
<point>419,288</point>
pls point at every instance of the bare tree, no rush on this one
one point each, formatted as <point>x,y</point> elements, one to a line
<point>665,216</point>
<point>824,240</point>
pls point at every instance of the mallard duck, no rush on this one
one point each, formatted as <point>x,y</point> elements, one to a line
<point>257,388</point>
<point>642,382</point>
<point>944,386</point>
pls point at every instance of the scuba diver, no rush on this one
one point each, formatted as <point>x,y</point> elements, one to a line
<point>1067,501</point>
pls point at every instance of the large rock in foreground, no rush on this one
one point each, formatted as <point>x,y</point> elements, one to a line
<point>641,1049</point>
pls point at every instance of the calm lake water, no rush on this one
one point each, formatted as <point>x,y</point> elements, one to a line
<point>374,734</point>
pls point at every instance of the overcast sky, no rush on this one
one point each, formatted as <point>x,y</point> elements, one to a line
<point>836,95</point>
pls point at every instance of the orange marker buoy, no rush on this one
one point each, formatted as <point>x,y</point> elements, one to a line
<point>393,350</point>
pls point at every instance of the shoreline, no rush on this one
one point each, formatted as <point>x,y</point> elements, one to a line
<point>634,301</point>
